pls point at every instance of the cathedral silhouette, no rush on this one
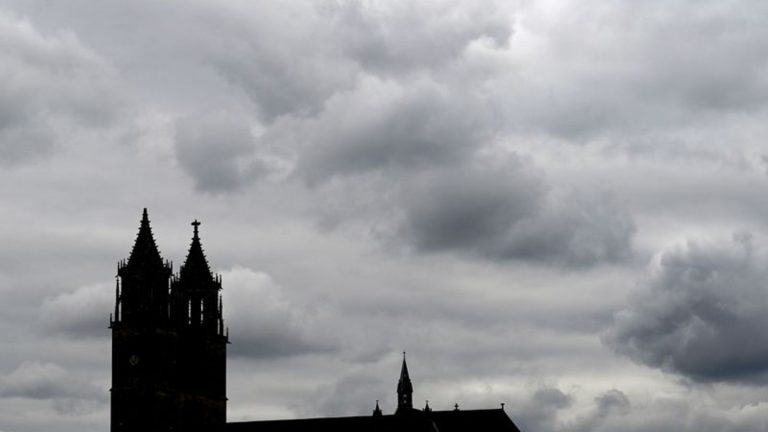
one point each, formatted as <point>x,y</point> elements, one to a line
<point>169,358</point>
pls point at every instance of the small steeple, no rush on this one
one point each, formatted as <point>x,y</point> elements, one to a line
<point>404,389</point>
<point>145,253</point>
<point>196,265</point>
<point>427,408</point>
<point>377,410</point>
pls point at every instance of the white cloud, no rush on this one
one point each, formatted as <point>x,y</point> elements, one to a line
<point>83,312</point>
<point>264,322</point>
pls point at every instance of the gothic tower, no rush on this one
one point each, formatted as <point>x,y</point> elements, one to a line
<point>143,341</point>
<point>168,342</point>
<point>404,391</point>
<point>196,313</point>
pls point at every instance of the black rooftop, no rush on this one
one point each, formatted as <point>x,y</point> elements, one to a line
<point>416,421</point>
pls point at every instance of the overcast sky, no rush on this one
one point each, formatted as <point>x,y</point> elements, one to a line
<point>557,205</point>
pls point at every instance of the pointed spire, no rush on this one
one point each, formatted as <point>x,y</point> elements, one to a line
<point>404,384</point>
<point>377,410</point>
<point>196,265</point>
<point>404,389</point>
<point>145,252</point>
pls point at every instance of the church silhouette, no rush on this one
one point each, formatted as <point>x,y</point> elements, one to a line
<point>169,358</point>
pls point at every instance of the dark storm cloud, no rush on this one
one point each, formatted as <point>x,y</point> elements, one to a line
<point>701,313</point>
<point>217,151</point>
<point>507,212</point>
<point>47,81</point>
<point>470,208</point>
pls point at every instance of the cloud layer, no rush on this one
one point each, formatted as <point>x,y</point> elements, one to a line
<point>48,81</point>
<point>480,183</point>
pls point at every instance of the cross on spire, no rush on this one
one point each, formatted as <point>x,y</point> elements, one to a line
<point>196,265</point>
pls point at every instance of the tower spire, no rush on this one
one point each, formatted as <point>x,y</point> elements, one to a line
<point>142,296</point>
<point>196,291</point>
<point>145,252</point>
<point>404,390</point>
<point>196,265</point>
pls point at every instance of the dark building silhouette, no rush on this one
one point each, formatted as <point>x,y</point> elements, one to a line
<point>168,342</point>
<point>169,358</point>
<point>404,390</point>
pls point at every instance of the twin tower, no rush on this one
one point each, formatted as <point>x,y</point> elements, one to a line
<point>168,342</point>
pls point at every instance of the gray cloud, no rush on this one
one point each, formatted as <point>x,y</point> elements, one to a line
<point>507,212</point>
<point>352,394</point>
<point>609,409</point>
<point>338,44</point>
<point>37,380</point>
<point>701,313</point>
<point>81,313</point>
<point>217,151</point>
<point>764,162</point>
<point>48,81</point>
<point>388,125</point>
<point>655,78</point>
<point>285,63</point>
<point>539,413</point>
<point>396,118</point>
<point>264,323</point>
<point>664,414</point>
<point>612,402</point>
<point>542,412</point>
<point>394,38</point>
